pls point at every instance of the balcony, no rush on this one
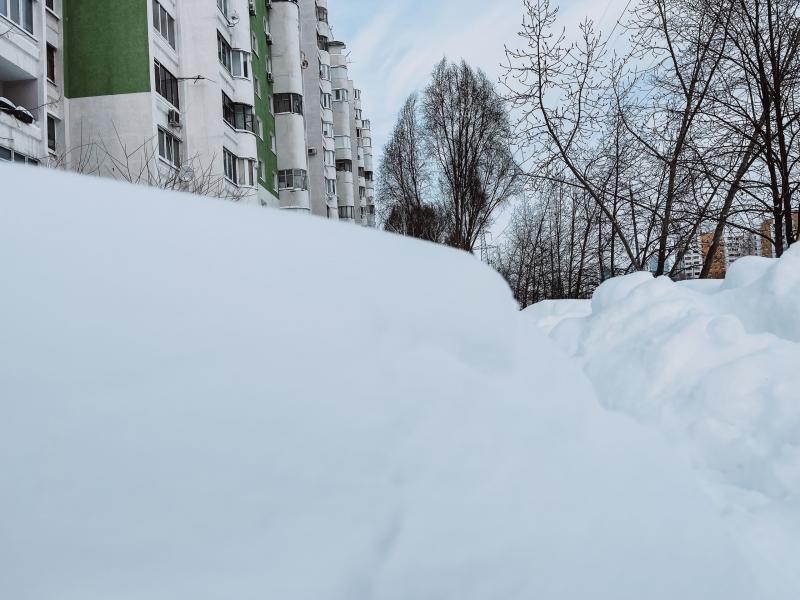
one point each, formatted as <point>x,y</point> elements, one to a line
<point>19,93</point>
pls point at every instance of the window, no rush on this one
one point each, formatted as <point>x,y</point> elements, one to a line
<point>357,94</point>
<point>259,128</point>
<point>367,124</point>
<point>325,100</point>
<point>340,95</point>
<point>362,193</point>
<point>51,133</point>
<point>247,171</point>
<point>237,115</point>
<point>367,142</point>
<point>257,86</point>
<point>344,166</point>
<point>346,212</point>
<point>343,142</point>
<point>8,155</point>
<point>169,148</point>
<point>164,23</point>
<point>322,14</point>
<point>293,179</point>
<point>288,103</point>
<point>358,114</point>
<point>272,143</point>
<point>324,71</point>
<point>19,12</point>
<point>167,85</point>
<point>222,5</point>
<point>330,187</point>
<point>330,158</point>
<point>322,42</point>
<point>51,63</point>
<point>224,52</point>
<point>230,165</point>
<point>327,129</point>
<point>254,42</point>
<point>240,64</point>
<point>262,170</point>
<point>48,4</point>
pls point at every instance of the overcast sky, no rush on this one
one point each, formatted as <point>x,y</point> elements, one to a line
<point>395,43</point>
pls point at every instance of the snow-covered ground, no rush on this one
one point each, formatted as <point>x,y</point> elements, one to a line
<point>715,367</point>
<point>202,400</point>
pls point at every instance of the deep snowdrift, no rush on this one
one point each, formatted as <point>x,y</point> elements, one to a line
<point>715,366</point>
<point>201,400</point>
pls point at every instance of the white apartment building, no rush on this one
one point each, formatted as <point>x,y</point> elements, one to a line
<point>31,76</point>
<point>244,99</point>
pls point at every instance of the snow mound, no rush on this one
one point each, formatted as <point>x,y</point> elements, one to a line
<point>714,367</point>
<point>201,400</point>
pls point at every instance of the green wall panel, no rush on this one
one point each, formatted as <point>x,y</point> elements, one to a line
<point>260,62</point>
<point>106,47</point>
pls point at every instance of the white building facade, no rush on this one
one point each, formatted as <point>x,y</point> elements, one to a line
<point>233,98</point>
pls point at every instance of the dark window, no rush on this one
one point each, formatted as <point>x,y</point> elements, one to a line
<point>51,133</point>
<point>346,212</point>
<point>51,63</point>
<point>344,166</point>
<point>167,85</point>
<point>322,14</point>
<point>5,153</point>
<point>322,42</point>
<point>49,4</point>
<point>230,165</point>
<point>237,115</point>
<point>224,52</point>
<point>288,103</point>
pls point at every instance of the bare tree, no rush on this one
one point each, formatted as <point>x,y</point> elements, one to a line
<point>405,178</point>
<point>468,135</point>
<point>140,164</point>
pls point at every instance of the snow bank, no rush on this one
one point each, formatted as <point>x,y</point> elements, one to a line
<point>714,367</point>
<point>201,400</point>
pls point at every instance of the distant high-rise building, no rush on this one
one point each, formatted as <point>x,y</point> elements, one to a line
<point>733,246</point>
<point>768,236</point>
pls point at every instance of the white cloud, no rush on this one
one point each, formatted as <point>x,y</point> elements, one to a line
<point>395,43</point>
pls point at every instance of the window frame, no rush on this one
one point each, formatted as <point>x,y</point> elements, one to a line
<point>169,148</point>
<point>162,20</point>
<point>167,85</point>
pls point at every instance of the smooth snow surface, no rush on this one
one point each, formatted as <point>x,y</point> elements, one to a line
<point>716,367</point>
<point>205,401</point>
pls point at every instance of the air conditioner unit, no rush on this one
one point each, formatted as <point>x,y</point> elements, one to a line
<point>270,78</point>
<point>312,151</point>
<point>174,118</point>
<point>252,8</point>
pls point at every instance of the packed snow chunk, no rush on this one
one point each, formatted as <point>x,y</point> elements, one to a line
<point>769,302</point>
<point>715,369</point>
<point>203,400</point>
